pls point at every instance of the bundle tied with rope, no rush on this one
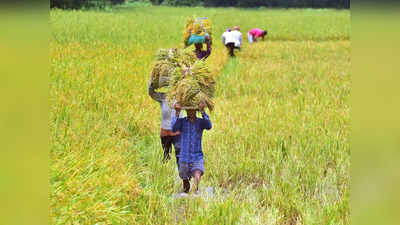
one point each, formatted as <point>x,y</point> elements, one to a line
<point>166,64</point>
<point>191,85</point>
<point>196,30</point>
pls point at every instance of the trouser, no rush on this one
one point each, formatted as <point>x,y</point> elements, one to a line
<point>166,143</point>
<point>177,152</point>
<point>250,38</point>
<point>231,47</point>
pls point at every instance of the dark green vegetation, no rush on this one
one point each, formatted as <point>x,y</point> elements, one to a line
<point>213,3</point>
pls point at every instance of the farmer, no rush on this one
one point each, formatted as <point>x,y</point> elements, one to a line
<point>200,53</point>
<point>167,136</point>
<point>230,40</point>
<point>255,33</point>
<point>191,162</point>
<point>238,35</point>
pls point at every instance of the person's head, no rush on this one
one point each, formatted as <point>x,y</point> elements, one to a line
<point>228,29</point>
<point>198,46</point>
<point>236,28</point>
<point>191,113</point>
<point>265,32</point>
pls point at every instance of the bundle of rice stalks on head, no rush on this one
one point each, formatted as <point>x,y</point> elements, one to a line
<point>168,61</point>
<point>202,97</point>
<point>196,29</point>
<point>192,85</point>
<point>187,57</point>
<point>186,90</point>
<point>160,73</point>
<point>187,31</point>
<point>204,77</point>
<point>167,54</point>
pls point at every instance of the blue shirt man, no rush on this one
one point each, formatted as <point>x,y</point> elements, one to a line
<point>191,163</point>
<point>191,136</point>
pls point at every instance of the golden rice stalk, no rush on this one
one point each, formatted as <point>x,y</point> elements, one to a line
<point>204,77</point>
<point>169,64</point>
<point>155,72</point>
<point>191,85</point>
<point>188,28</point>
<point>202,97</point>
<point>207,26</point>
<point>196,27</point>
<point>161,72</point>
<point>188,57</point>
<point>186,89</point>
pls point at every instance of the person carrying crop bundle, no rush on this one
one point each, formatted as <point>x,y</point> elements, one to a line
<point>167,136</point>
<point>255,33</point>
<point>191,161</point>
<point>198,32</point>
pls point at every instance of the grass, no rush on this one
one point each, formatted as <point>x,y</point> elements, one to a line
<point>278,152</point>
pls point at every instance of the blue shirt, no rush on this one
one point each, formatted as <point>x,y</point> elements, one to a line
<point>190,137</point>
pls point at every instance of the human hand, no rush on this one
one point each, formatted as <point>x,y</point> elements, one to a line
<point>176,133</point>
<point>202,105</point>
<point>177,106</point>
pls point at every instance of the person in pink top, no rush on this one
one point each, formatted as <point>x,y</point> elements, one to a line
<point>255,33</point>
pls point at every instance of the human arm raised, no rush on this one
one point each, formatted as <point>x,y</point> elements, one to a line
<point>153,94</point>
<point>205,123</point>
<point>176,122</point>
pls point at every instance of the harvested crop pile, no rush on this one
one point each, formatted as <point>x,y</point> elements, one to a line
<point>196,30</point>
<point>166,64</point>
<point>191,85</point>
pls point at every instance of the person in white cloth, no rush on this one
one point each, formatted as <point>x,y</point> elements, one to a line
<point>238,36</point>
<point>167,136</point>
<point>230,40</point>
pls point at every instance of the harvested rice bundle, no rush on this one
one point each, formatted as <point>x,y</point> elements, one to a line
<point>196,30</point>
<point>186,90</point>
<point>171,55</point>
<point>201,96</point>
<point>187,57</point>
<point>188,29</point>
<point>204,77</point>
<point>168,62</point>
<point>161,73</point>
<point>191,85</point>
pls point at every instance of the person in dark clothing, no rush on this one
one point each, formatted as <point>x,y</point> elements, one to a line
<point>200,53</point>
